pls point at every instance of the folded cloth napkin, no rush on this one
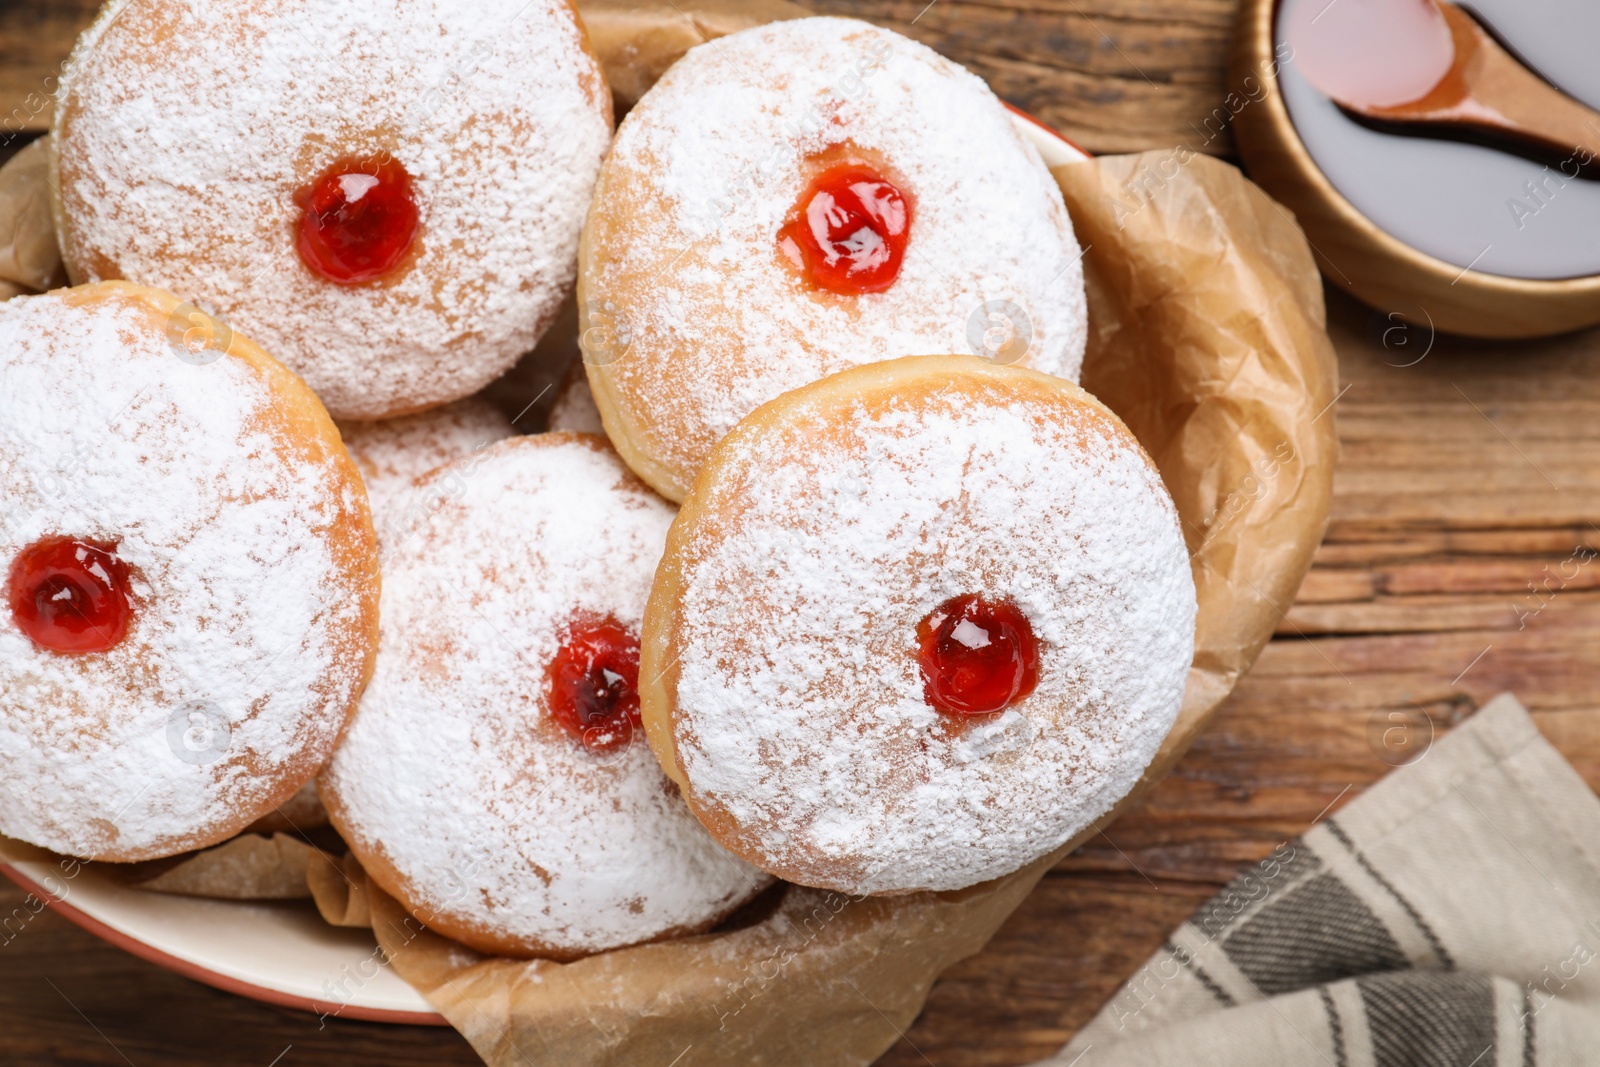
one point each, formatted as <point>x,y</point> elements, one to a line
<point>1448,916</point>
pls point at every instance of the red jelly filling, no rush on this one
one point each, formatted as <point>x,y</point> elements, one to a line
<point>357,221</point>
<point>848,231</point>
<point>978,656</point>
<point>69,595</point>
<point>594,683</point>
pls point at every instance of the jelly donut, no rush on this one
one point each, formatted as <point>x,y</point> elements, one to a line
<point>387,196</point>
<point>917,625</point>
<point>190,572</point>
<point>495,780</point>
<point>393,453</point>
<point>803,197</point>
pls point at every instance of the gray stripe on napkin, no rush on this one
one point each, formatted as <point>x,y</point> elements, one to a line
<point>1320,932</point>
<point>1182,955</point>
<point>1430,1019</point>
<point>1448,917</point>
<point>1411,912</point>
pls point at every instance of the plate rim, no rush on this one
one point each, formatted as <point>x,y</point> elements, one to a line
<point>132,945</point>
<point>1036,128</point>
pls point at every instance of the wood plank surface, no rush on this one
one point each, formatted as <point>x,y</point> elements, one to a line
<point>1111,75</point>
<point>36,37</point>
<point>1460,563</point>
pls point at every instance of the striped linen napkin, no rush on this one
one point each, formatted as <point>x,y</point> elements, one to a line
<point>1448,916</point>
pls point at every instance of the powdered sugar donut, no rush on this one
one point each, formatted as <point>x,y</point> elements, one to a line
<point>191,578</point>
<point>386,195</point>
<point>799,198</point>
<point>917,625</point>
<point>494,781</point>
<point>393,453</point>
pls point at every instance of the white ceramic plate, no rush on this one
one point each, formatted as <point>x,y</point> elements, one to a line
<point>282,953</point>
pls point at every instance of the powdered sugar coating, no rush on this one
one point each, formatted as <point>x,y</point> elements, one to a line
<point>393,453</point>
<point>185,129</point>
<point>682,238</point>
<point>244,615</point>
<point>498,827</point>
<point>799,711</point>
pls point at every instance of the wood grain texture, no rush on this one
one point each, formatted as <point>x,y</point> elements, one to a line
<point>36,37</point>
<point>1465,478</point>
<point>1111,75</point>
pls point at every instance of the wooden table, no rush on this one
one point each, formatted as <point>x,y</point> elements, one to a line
<point>1449,574</point>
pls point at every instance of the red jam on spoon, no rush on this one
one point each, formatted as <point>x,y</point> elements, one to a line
<point>594,683</point>
<point>978,656</point>
<point>848,231</point>
<point>70,595</point>
<point>357,221</point>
